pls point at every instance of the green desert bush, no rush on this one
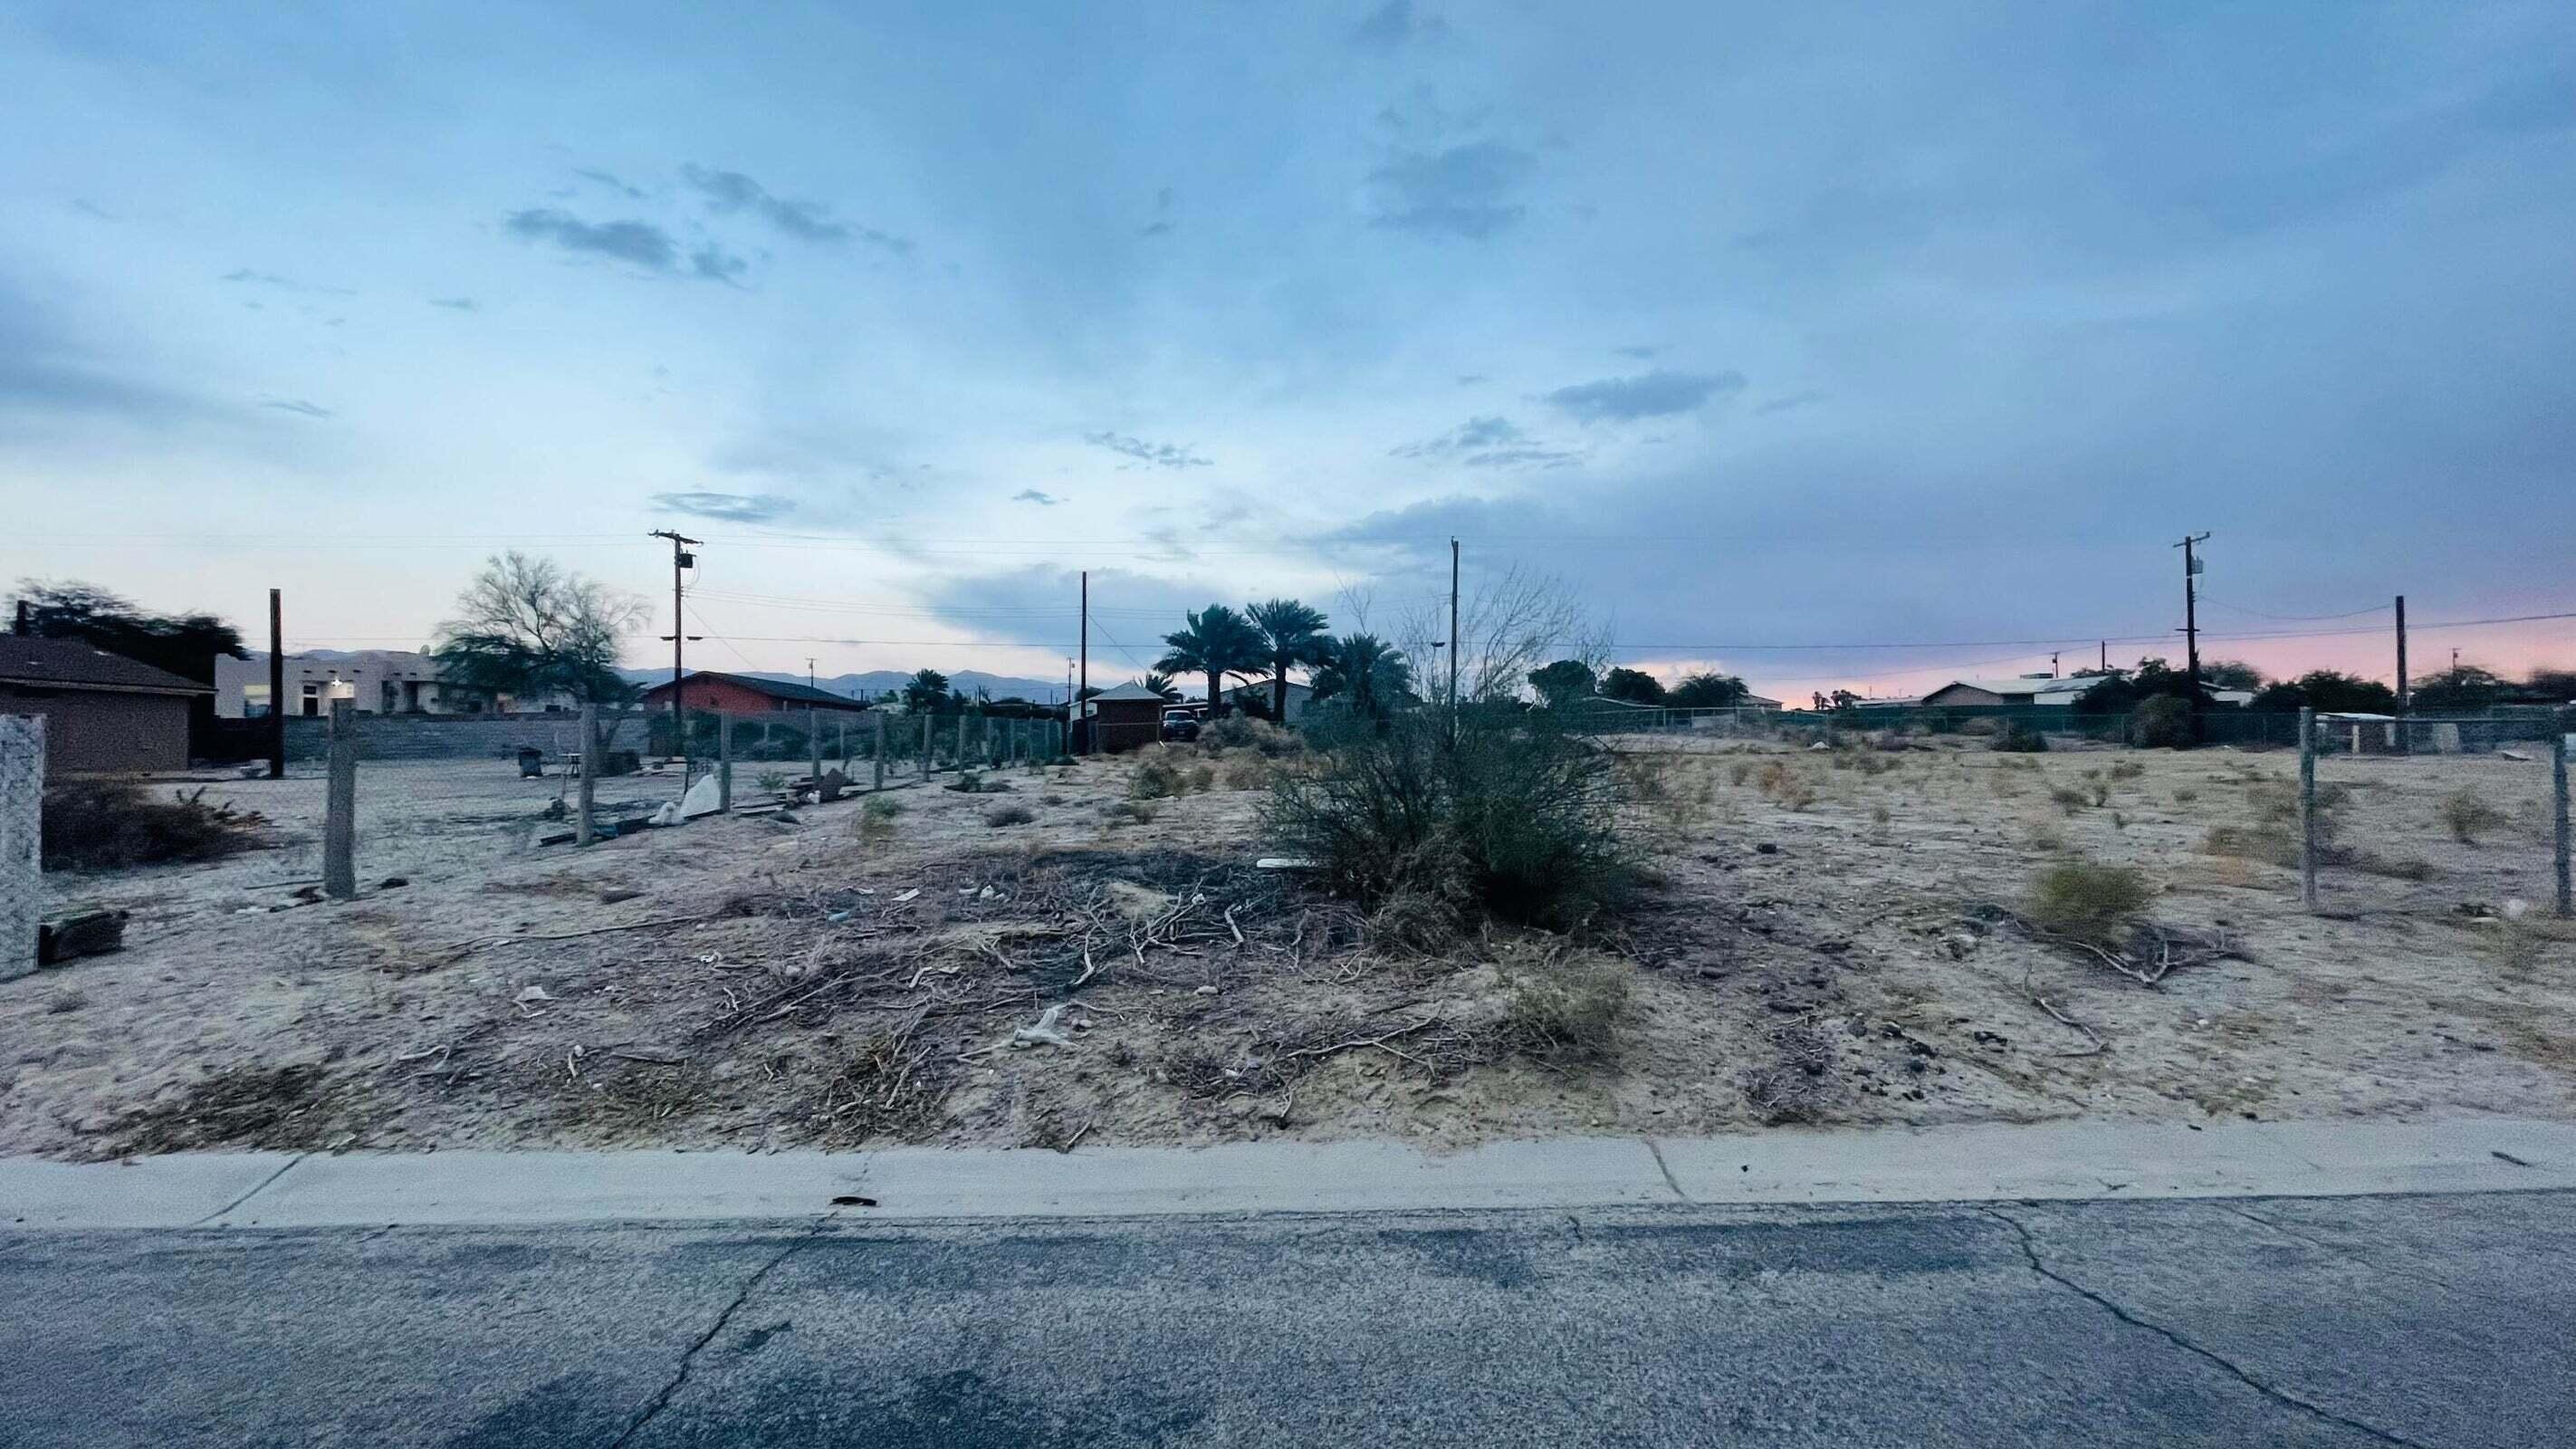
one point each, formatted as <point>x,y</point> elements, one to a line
<point>1002,815</point>
<point>1156,778</point>
<point>2467,813</point>
<point>2087,900</point>
<point>2162,722</point>
<point>1519,808</point>
<point>2020,739</point>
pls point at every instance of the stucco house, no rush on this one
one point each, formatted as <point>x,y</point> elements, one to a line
<point>102,711</point>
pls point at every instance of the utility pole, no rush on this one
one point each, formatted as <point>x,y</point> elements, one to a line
<point>276,683</point>
<point>2191,622</point>
<point>1453,638</point>
<point>681,558</point>
<point>2405,742</point>
<point>2052,663</point>
<point>2106,656</point>
<point>1073,710</point>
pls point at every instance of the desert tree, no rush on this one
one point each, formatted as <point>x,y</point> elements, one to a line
<point>926,691</point>
<point>528,626</point>
<point>1708,689</point>
<point>1215,641</point>
<point>1564,682</point>
<point>1368,675</point>
<point>183,644</point>
<point>1292,637</point>
<point>1633,686</point>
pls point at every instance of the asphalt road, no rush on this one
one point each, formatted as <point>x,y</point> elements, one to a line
<point>2432,1320</point>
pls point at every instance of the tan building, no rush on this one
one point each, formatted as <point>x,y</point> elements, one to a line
<point>102,711</point>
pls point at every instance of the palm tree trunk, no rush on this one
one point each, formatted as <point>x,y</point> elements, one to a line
<point>1215,704</point>
<point>1279,690</point>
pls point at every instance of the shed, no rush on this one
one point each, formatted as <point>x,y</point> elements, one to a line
<point>1123,718</point>
<point>102,711</point>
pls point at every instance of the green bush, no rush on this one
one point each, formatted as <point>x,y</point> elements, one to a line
<point>2087,900</point>
<point>2020,739</point>
<point>1002,815</point>
<point>2161,723</point>
<point>1156,778</point>
<point>1243,732</point>
<point>1514,807</point>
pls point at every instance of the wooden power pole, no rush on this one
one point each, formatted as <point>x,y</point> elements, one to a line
<point>1073,711</point>
<point>2404,696</point>
<point>2191,622</point>
<point>681,558</point>
<point>276,685</point>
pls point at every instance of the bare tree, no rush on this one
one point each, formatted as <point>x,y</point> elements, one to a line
<point>528,626</point>
<point>1509,623</point>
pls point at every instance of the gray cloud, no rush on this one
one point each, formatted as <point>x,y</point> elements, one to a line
<point>612,182</point>
<point>717,265</point>
<point>45,377</point>
<point>1159,455</point>
<point>250,277</point>
<point>1155,228</point>
<point>297,406</point>
<point>640,242</point>
<point>728,192</point>
<point>1032,495</point>
<point>1640,351</point>
<point>1488,442</point>
<point>1394,24</point>
<point>1648,395</point>
<point>727,507</point>
<point>1461,191</point>
<point>454,304</point>
<point>1790,401</point>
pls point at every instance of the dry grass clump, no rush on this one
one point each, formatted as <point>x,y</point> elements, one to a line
<point>1561,1005</point>
<point>1793,1086</point>
<point>876,819</point>
<point>1013,814</point>
<point>1243,732</point>
<point>1156,778</point>
<point>1202,779</point>
<point>109,825</point>
<point>2068,798</point>
<point>1248,773</point>
<point>1787,784</point>
<point>2087,900</point>
<point>1128,812</point>
<point>2015,737</point>
<point>2466,813</point>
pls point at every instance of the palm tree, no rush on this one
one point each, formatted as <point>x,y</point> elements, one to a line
<point>1292,634</point>
<point>1366,669</point>
<point>1217,643</point>
<point>1161,684</point>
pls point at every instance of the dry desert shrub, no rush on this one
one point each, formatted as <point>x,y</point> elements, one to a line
<point>2087,900</point>
<point>1563,1006</point>
<point>2467,813</point>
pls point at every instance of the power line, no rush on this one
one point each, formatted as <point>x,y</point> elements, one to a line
<point>2293,618</point>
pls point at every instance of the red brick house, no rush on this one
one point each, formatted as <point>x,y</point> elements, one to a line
<point>743,694</point>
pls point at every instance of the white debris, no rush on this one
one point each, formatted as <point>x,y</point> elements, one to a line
<point>907,895</point>
<point>2515,908</point>
<point>1204,991</point>
<point>1284,862</point>
<point>669,814</point>
<point>704,798</point>
<point>1044,1033</point>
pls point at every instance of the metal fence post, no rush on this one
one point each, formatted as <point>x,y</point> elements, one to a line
<point>583,831</point>
<point>724,763</point>
<point>2307,807</point>
<point>22,833</point>
<point>340,809</point>
<point>2558,799</point>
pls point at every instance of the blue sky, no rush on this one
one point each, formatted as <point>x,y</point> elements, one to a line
<point>1760,324</point>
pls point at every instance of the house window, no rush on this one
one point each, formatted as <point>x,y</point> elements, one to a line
<point>312,700</point>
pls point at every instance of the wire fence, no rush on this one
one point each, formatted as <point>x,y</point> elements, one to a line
<point>2481,732</point>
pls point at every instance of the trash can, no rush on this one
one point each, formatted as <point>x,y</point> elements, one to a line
<point>532,763</point>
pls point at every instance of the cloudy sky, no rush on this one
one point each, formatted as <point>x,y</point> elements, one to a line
<point>1763,326</point>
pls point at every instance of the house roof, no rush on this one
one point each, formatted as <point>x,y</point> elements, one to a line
<point>1128,691</point>
<point>774,688</point>
<point>2026,688</point>
<point>78,664</point>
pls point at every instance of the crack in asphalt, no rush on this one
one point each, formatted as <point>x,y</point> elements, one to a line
<point>1665,1168</point>
<point>689,1356</point>
<point>262,1186</point>
<point>2376,1265</point>
<point>2030,1254</point>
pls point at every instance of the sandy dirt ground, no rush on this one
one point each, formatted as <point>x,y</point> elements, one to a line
<point>1842,921</point>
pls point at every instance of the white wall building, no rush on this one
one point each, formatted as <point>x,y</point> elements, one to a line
<point>374,681</point>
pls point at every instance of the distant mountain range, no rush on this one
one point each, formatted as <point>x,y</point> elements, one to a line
<point>877,681</point>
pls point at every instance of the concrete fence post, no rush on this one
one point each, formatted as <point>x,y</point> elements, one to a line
<point>814,747</point>
<point>724,763</point>
<point>583,830</point>
<point>2307,807</point>
<point>22,834</point>
<point>340,808</point>
<point>961,741</point>
<point>880,748</point>
<point>925,747</point>
<point>2558,811</point>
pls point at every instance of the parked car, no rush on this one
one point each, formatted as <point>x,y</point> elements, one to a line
<point>1179,726</point>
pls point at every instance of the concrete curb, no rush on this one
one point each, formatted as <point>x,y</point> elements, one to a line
<point>1938,1164</point>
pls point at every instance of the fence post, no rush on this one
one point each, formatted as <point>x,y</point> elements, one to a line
<point>925,747</point>
<point>814,746</point>
<point>2558,794</point>
<point>724,763</point>
<point>878,752</point>
<point>340,809</point>
<point>582,830</point>
<point>22,833</point>
<point>2307,807</point>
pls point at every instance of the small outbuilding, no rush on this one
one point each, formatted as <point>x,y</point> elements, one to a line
<point>103,712</point>
<point>746,694</point>
<point>1124,718</point>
